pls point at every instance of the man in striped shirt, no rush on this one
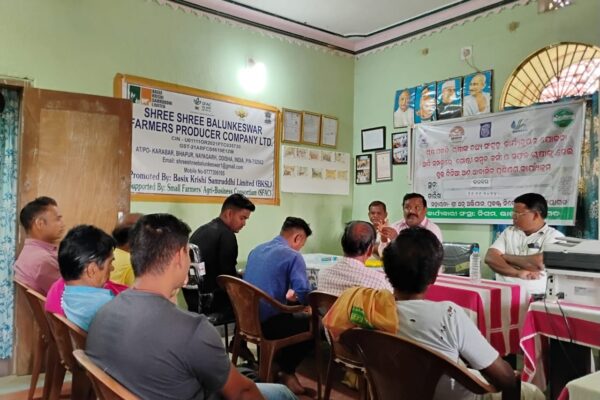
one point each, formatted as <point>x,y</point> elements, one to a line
<point>357,242</point>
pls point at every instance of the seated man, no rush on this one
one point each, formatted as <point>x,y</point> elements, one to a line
<point>414,207</point>
<point>358,243</point>
<point>37,264</point>
<point>84,256</point>
<point>277,267</point>
<point>516,256</point>
<point>123,271</point>
<point>378,217</point>
<point>154,349</point>
<point>411,263</point>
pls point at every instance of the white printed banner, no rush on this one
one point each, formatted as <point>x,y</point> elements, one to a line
<point>471,169</point>
<point>188,145</point>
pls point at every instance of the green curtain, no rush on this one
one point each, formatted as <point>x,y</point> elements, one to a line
<point>9,129</point>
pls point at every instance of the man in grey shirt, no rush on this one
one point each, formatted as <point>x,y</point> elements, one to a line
<point>155,349</point>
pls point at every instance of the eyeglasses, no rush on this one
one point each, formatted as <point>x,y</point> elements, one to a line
<point>417,209</point>
<point>518,215</point>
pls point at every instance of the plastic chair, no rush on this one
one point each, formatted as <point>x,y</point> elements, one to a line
<point>320,303</point>
<point>81,387</point>
<point>105,386</point>
<point>245,299</point>
<point>403,369</point>
<point>456,257</point>
<point>55,370</point>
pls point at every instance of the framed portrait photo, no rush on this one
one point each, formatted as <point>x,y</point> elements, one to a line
<point>292,126</point>
<point>477,93</point>
<point>363,169</point>
<point>329,131</point>
<point>449,98</point>
<point>400,148</point>
<point>311,128</point>
<point>404,108</point>
<point>373,138</point>
<point>425,103</point>
<point>383,165</point>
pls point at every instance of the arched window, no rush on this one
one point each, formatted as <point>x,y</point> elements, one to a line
<point>562,70</point>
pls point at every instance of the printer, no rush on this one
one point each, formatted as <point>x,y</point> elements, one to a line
<point>573,268</point>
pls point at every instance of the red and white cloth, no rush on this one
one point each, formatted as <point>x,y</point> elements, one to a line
<point>497,308</point>
<point>546,320</point>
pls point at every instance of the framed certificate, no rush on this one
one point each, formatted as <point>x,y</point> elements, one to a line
<point>311,128</point>
<point>383,166</point>
<point>292,125</point>
<point>329,131</point>
<point>373,138</point>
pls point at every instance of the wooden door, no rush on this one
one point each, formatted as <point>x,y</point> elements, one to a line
<point>76,149</point>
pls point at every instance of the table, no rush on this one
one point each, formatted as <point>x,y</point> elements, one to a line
<point>497,308</point>
<point>567,322</point>
<point>585,388</point>
<point>315,262</point>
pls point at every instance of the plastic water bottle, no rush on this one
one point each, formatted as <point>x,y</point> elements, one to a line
<point>475,265</point>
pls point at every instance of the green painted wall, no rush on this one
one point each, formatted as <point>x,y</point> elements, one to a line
<point>79,46</point>
<point>379,75</point>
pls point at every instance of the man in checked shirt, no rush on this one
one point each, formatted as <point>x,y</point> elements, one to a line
<point>350,271</point>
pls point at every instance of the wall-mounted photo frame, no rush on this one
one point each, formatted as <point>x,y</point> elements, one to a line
<point>363,169</point>
<point>400,148</point>
<point>404,107</point>
<point>425,103</point>
<point>292,125</point>
<point>477,93</point>
<point>311,128</point>
<point>329,131</point>
<point>383,165</point>
<point>449,98</point>
<point>373,138</point>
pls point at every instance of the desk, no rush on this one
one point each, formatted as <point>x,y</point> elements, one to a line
<point>314,263</point>
<point>497,308</point>
<point>585,388</point>
<point>545,321</point>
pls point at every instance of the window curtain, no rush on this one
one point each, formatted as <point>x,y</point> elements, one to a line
<point>9,129</point>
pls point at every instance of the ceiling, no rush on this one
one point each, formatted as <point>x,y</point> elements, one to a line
<point>351,26</point>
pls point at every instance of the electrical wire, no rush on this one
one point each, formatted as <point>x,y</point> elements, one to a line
<point>560,343</point>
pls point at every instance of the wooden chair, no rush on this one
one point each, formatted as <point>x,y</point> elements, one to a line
<point>403,369</point>
<point>320,303</point>
<point>105,386</point>
<point>81,387</point>
<point>55,371</point>
<point>245,299</point>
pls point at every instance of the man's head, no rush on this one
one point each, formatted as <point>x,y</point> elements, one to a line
<point>377,212</point>
<point>86,255</point>
<point>411,262</point>
<point>448,92</point>
<point>295,231</point>
<point>358,239</point>
<point>121,231</point>
<point>42,220</point>
<point>236,210</point>
<point>404,100</point>
<point>477,84</point>
<point>415,209</point>
<point>159,244</point>
<point>427,105</point>
<point>529,212</point>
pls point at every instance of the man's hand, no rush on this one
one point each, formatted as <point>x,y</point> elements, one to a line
<point>291,296</point>
<point>528,275</point>
<point>388,233</point>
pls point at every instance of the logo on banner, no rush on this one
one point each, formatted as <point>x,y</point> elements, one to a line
<point>240,112</point>
<point>519,126</point>
<point>140,95</point>
<point>423,142</point>
<point>563,118</point>
<point>268,117</point>
<point>485,130</point>
<point>457,134</point>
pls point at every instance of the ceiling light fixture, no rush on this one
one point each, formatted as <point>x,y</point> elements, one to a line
<point>551,5</point>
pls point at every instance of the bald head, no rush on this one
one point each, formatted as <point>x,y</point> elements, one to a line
<point>358,239</point>
<point>121,231</point>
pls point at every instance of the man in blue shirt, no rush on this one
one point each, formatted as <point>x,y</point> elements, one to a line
<point>277,267</point>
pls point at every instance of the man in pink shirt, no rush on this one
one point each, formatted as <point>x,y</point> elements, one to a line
<point>37,264</point>
<point>415,209</point>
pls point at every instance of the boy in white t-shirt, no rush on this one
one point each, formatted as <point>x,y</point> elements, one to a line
<point>411,263</point>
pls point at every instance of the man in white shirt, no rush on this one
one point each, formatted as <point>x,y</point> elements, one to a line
<point>404,114</point>
<point>516,256</point>
<point>378,217</point>
<point>350,271</point>
<point>415,208</point>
